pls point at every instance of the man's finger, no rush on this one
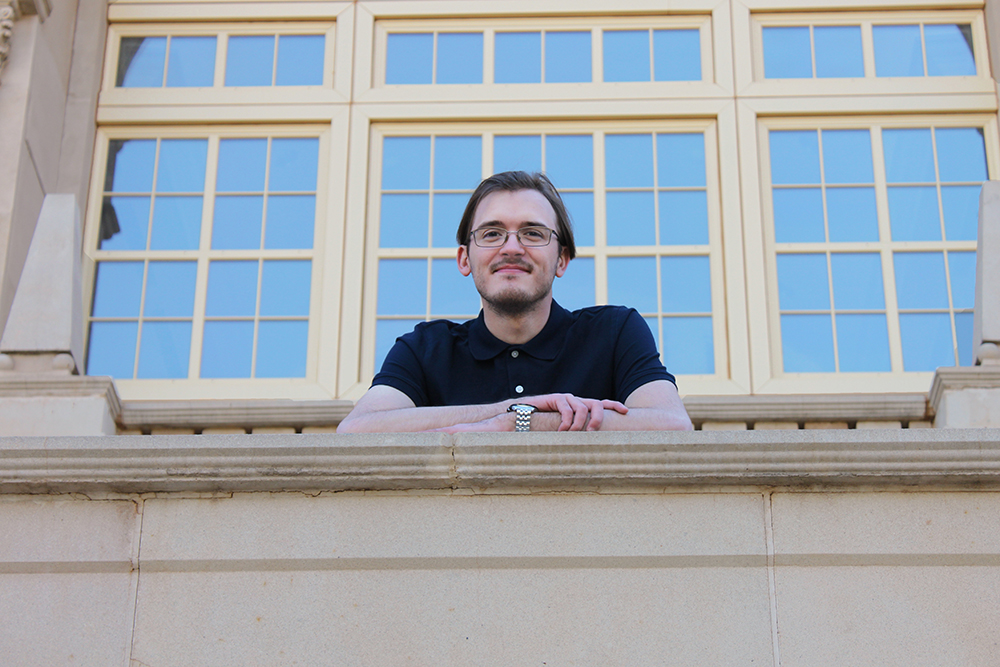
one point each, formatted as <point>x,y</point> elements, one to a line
<point>615,405</point>
<point>596,416</point>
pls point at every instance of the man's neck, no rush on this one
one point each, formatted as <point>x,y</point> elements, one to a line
<point>519,329</point>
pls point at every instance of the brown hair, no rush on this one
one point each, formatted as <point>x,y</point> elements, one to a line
<point>512,181</point>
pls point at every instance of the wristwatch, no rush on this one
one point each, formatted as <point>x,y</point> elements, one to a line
<point>522,421</point>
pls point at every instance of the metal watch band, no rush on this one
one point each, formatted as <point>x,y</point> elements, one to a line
<point>522,417</point>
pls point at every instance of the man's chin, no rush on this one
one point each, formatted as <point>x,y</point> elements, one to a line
<point>513,303</point>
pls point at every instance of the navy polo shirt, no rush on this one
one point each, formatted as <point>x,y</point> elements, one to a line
<point>599,352</point>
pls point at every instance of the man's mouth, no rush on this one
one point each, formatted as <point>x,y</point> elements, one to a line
<point>510,267</point>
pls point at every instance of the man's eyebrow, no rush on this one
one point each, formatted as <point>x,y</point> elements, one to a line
<point>497,223</point>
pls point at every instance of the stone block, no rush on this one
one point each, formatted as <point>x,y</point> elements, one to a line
<point>320,429</point>
<point>775,426</point>
<point>872,424</point>
<point>825,425</point>
<point>971,407</point>
<point>272,430</point>
<point>724,426</point>
<point>56,415</point>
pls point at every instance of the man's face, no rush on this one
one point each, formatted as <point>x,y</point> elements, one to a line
<point>512,278</point>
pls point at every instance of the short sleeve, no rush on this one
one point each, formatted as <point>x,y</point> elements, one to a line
<point>636,360</point>
<point>402,370</point>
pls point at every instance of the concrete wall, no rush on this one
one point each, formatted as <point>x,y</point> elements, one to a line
<point>805,548</point>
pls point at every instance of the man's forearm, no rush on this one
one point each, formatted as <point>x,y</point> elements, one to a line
<point>411,420</point>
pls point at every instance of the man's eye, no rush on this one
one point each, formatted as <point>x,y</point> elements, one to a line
<point>490,234</point>
<point>532,234</point>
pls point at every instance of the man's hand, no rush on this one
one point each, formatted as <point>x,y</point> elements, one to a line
<point>577,414</point>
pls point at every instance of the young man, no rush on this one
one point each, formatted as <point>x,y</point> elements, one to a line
<point>525,363</point>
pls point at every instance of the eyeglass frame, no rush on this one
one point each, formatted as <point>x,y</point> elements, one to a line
<point>517,233</point>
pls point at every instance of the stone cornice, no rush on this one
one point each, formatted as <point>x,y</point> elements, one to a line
<point>248,413</point>
<point>808,407</point>
<point>960,377</point>
<point>947,458</point>
<point>23,385</point>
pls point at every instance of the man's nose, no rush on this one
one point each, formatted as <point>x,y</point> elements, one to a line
<point>512,245</point>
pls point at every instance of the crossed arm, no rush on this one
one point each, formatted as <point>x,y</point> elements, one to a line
<point>655,406</point>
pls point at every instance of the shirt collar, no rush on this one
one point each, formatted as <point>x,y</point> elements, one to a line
<point>545,345</point>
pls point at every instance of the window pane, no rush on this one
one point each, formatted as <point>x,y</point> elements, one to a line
<point>409,58</point>
<point>227,349</point>
<point>963,333</point>
<point>281,349</point>
<point>460,57</point>
<point>949,50</point>
<point>452,294</point>
<point>448,210</point>
<point>232,289</point>
<point>386,333</point>
<point>897,50</point>
<point>403,221</point>
<point>863,343</point>
<point>517,57</point>
<point>236,223</point>
<point>290,222</point>
<point>112,349</point>
<point>913,214</point>
<point>961,154</point>
<point>787,53</point>
<point>458,162</point>
<point>125,220</point>
<point>567,57</point>
<point>117,290</point>
<point>300,63</point>
<point>630,218</point>
<point>857,281</point>
<point>851,214</point>
<point>688,348</point>
<point>927,342</point>
<point>165,350</point>
<point>176,223</point>
<point>680,160</point>
<point>250,60</point>
<point>575,289</point>
<point>909,156</point>
<point>802,282</point>
<point>807,344</point>
<point>284,288</point>
<point>170,291</point>
<point>847,156</point>
<point>242,164</point>
<point>686,284</point>
<point>628,160</point>
<point>626,55</point>
<point>569,160</point>
<point>130,165</point>
<point>838,51</point>
<point>402,287</point>
<point>192,63</point>
<point>683,218</point>
<point>182,165</point>
<point>294,164</point>
<point>920,281</point>
<point>580,206</point>
<point>140,65</point>
<point>794,157</point>
<point>798,215</point>
<point>961,211</point>
<point>677,55</point>
<point>962,268</point>
<point>513,153</point>
<point>632,282</point>
<point>406,163</point>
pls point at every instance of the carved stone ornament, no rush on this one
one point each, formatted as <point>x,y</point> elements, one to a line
<point>12,10</point>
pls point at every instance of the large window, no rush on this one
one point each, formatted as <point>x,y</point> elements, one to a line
<point>639,198</point>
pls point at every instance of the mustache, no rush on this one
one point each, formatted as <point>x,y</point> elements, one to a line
<point>503,264</point>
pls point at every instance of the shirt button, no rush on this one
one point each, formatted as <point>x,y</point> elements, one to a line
<point>519,389</point>
<point>514,354</point>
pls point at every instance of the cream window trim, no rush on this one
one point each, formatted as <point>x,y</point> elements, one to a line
<point>769,378</point>
<point>871,84</point>
<point>727,332</point>
<point>324,284</point>
<point>223,10</point>
<point>859,5</point>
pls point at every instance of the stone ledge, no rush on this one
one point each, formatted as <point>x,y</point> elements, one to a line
<point>808,408</point>
<point>537,461</point>
<point>18,385</point>
<point>962,377</point>
<point>249,413</point>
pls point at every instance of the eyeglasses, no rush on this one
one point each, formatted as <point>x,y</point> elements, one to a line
<point>529,237</point>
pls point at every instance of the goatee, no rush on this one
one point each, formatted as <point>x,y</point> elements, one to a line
<point>512,303</point>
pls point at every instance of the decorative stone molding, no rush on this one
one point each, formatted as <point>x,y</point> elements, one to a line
<point>653,462</point>
<point>235,413</point>
<point>986,319</point>
<point>808,408</point>
<point>12,10</point>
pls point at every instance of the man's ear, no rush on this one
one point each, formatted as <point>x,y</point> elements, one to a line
<point>463,260</point>
<point>562,262</point>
